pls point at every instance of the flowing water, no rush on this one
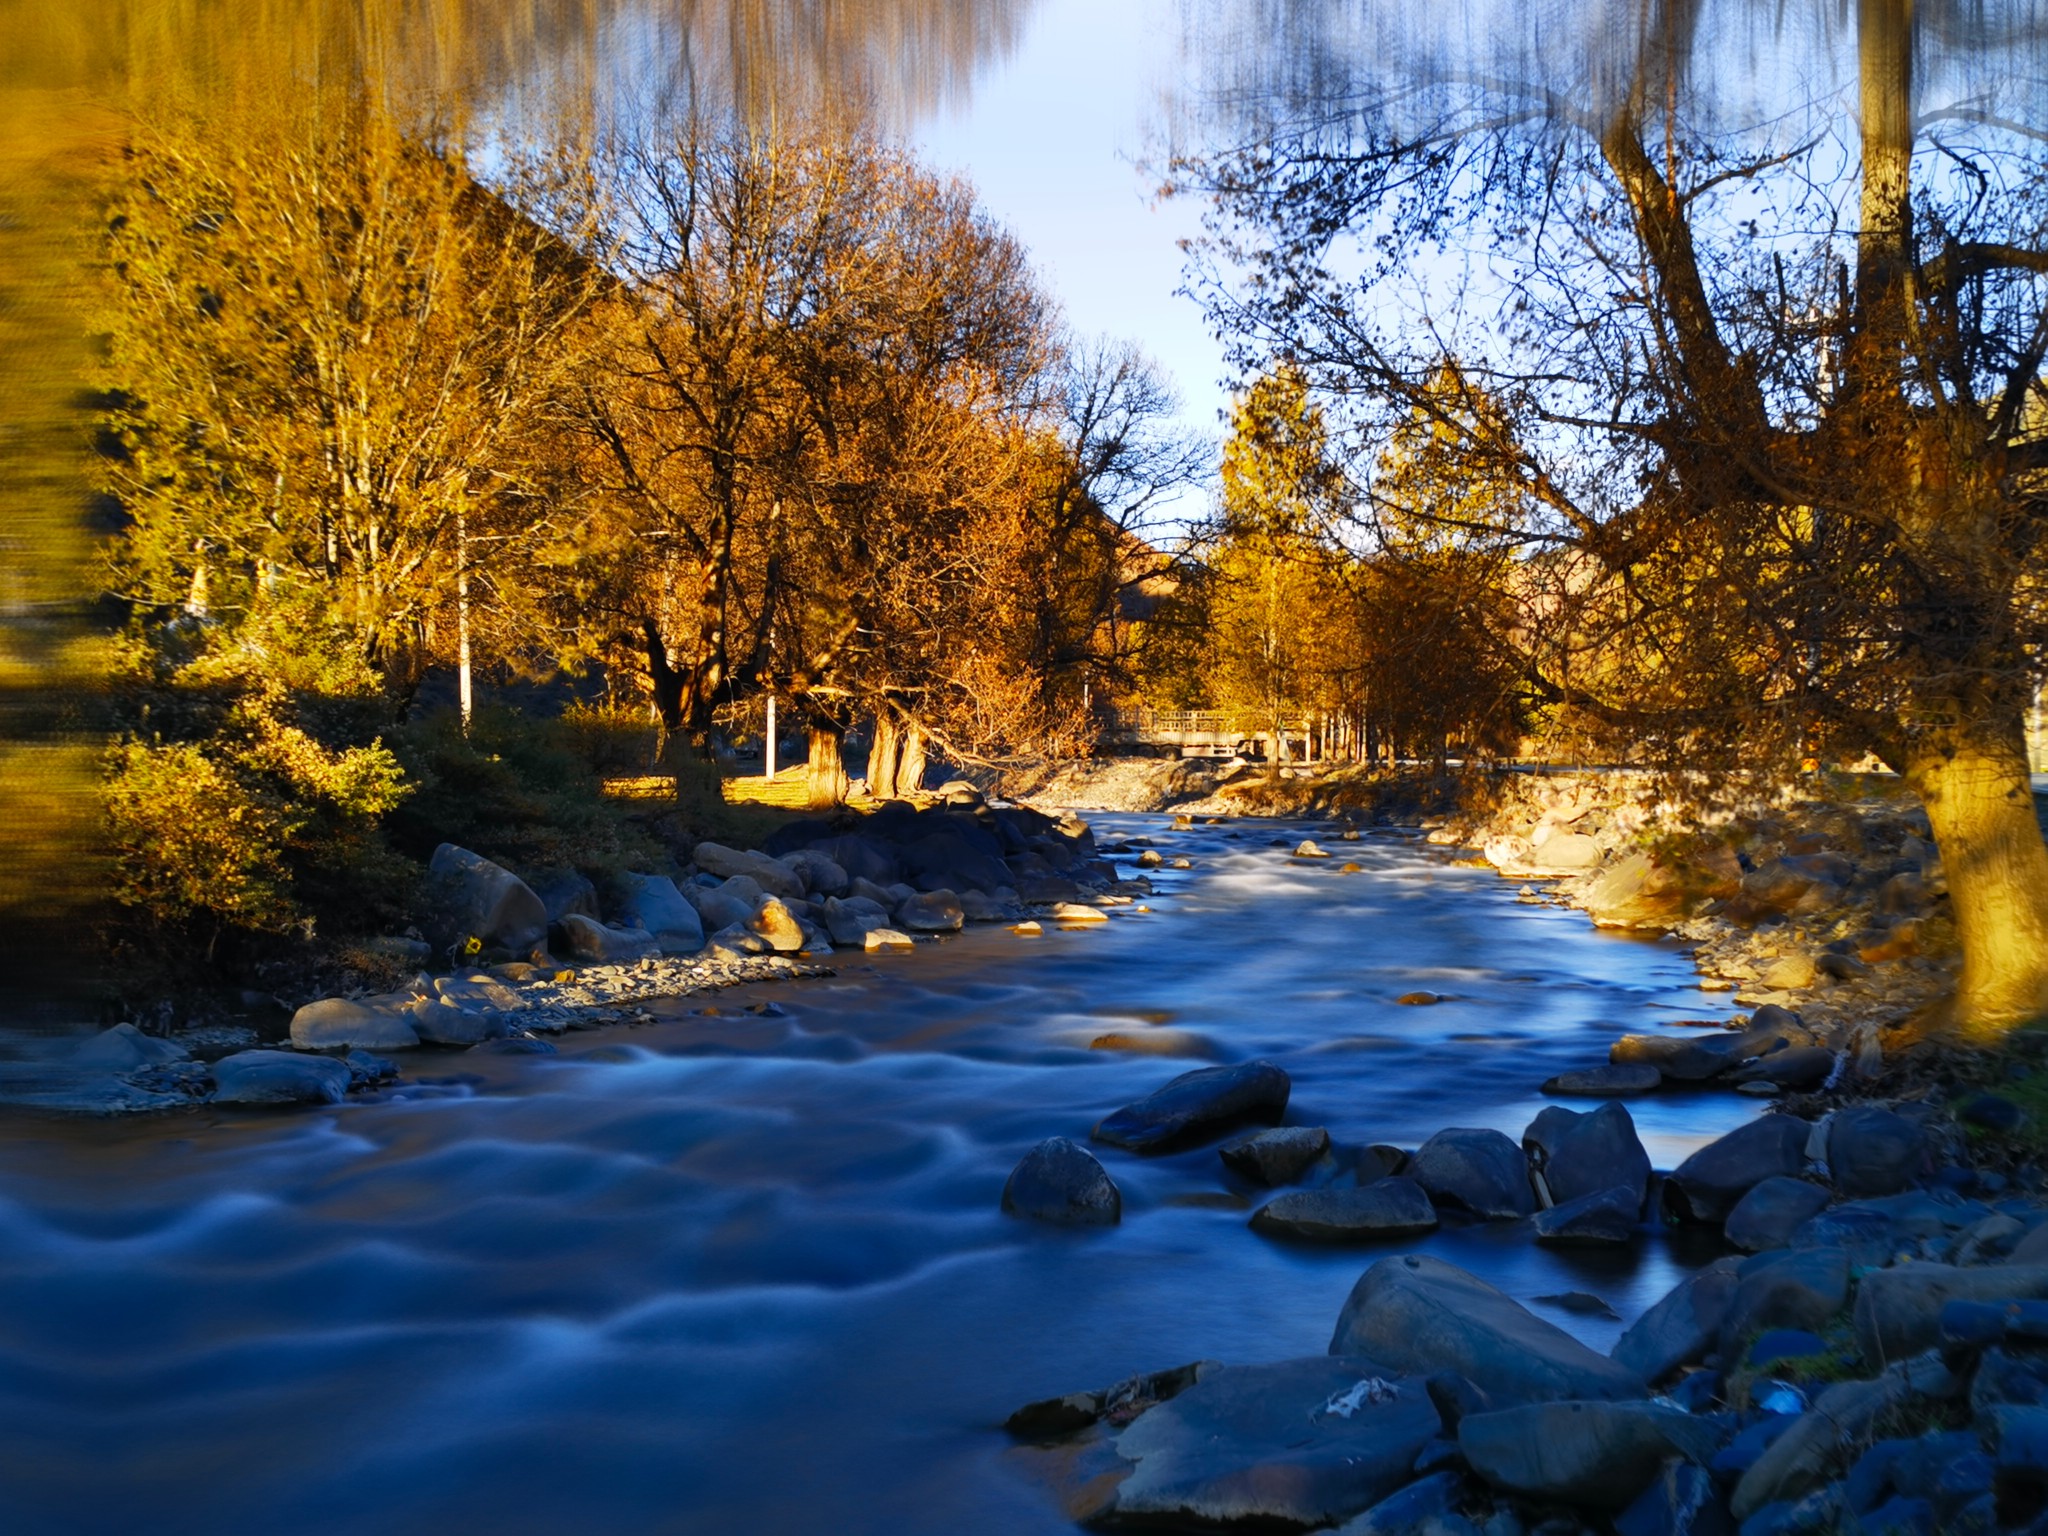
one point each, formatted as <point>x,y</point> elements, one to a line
<point>744,1271</point>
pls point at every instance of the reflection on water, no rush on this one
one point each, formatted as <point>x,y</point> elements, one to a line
<point>745,1271</point>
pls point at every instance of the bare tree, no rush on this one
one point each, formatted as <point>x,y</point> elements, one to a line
<point>1761,302</point>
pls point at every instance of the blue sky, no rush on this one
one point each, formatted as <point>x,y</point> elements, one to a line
<point>1051,137</point>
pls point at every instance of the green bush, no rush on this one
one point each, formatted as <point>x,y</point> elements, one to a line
<point>514,789</point>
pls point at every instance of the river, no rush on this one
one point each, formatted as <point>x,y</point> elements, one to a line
<point>744,1271</point>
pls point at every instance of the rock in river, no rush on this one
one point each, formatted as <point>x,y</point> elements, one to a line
<point>1420,1315</point>
<point>335,1022</point>
<point>1707,1185</point>
<point>279,1077</point>
<point>1478,1171</point>
<point>1198,1105</point>
<point>1604,1219</point>
<point>1277,1156</point>
<point>1060,1182</point>
<point>1582,1154</point>
<point>1612,1082</point>
<point>1287,1446</point>
<point>932,912</point>
<point>1682,1327</point>
<point>1394,1207</point>
<point>1603,1454</point>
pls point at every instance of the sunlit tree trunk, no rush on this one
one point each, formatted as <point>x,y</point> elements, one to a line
<point>910,770</point>
<point>827,769</point>
<point>884,757</point>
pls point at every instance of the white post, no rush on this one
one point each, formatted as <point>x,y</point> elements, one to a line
<point>462,619</point>
<point>768,743</point>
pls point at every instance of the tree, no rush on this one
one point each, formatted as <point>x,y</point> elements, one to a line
<point>1773,364</point>
<point>1274,556</point>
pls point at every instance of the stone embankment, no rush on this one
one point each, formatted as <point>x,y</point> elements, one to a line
<point>1871,1353</point>
<point>528,962</point>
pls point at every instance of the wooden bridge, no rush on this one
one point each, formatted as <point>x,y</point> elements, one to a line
<point>1198,732</point>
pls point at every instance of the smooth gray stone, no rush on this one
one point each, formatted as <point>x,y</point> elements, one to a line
<point>850,919</point>
<point>333,1023</point>
<point>1421,1315</point>
<point>1062,1183</point>
<point>1477,1171</point>
<point>1599,1454</point>
<point>1681,1328</point>
<point>1292,1445</point>
<point>1708,1185</point>
<point>439,1022</point>
<point>1872,1151</point>
<point>1583,1154</point>
<point>1770,1213</point>
<point>1198,1105</point>
<point>1386,1208</point>
<point>1604,1219</point>
<point>652,904</point>
<point>279,1077</point>
<point>1279,1156</point>
<point>467,896</point>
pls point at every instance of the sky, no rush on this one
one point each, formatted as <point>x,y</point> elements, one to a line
<point>1052,137</point>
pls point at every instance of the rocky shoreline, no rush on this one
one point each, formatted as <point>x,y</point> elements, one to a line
<point>1869,1353</point>
<point>904,874</point>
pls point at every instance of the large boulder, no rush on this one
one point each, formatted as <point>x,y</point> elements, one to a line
<point>1582,1154</point>
<point>1394,1207</point>
<point>772,875</point>
<point>1477,1171</point>
<point>1600,1454</point>
<point>1288,1446</point>
<point>1872,1151</point>
<point>466,897</point>
<point>1064,1184</point>
<point>652,904</point>
<point>1708,1185</point>
<point>1421,1315</point>
<point>1681,1328</point>
<point>1805,1455</point>
<point>594,943</point>
<point>1198,1105</point>
<point>860,858</point>
<point>279,1077</point>
<point>1771,1212</point>
<point>335,1023</point>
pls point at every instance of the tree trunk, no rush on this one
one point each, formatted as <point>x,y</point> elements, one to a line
<point>885,757</point>
<point>1973,780</point>
<point>827,768</point>
<point>910,769</point>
